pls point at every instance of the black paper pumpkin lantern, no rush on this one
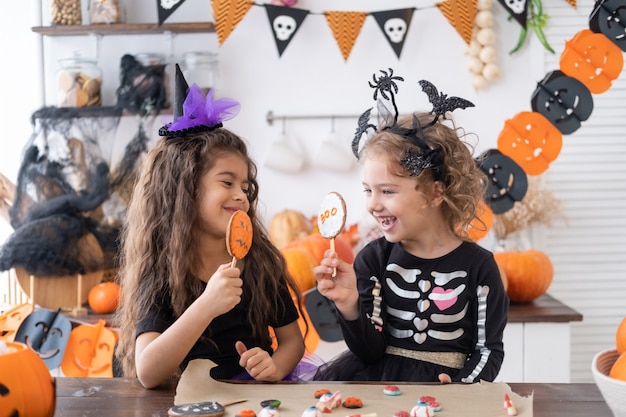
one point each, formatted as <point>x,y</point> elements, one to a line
<point>26,386</point>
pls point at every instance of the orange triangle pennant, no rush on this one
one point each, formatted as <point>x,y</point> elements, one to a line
<point>227,15</point>
<point>571,3</point>
<point>346,27</point>
<point>461,15</point>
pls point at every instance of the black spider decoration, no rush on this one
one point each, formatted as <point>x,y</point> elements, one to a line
<point>441,102</point>
<point>386,83</point>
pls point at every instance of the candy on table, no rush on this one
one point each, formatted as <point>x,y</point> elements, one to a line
<point>363,415</point>
<point>331,218</point>
<point>318,393</point>
<point>239,235</point>
<point>392,390</point>
<point>401,413</point>
<point>311,412</point>
<point>270,403</point>
<point>245,412</point>
<point>431,401</point>
<point>269,412</point>
<point>327,402</point>
<point>508,405</point>
<point>421,409</point>
<point>353,402</point>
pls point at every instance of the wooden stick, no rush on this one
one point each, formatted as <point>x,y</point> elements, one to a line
<point>332,247</point>
<point>231,402</point>
<point>233,263</point>
<point>32,290</point>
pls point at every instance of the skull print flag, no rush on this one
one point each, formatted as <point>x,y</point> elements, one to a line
<point>285,22</point>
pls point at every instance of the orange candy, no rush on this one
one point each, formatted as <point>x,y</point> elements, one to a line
<point>618,370</point>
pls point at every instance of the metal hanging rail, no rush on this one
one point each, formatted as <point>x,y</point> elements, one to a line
<point>271,117</point>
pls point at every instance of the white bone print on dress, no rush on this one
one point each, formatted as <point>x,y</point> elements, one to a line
<point>375,317</point>
<point>418,322</point>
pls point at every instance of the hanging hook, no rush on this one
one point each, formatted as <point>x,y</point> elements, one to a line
<point>283,132</point>
<point>332,124</point>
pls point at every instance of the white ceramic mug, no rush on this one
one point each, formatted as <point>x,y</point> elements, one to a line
<point>333,155</point>
<point>285,155</point>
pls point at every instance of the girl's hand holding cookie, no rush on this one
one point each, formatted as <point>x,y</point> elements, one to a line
<point>224,289</point>
<point>336,280</point>
<point>257,362</point>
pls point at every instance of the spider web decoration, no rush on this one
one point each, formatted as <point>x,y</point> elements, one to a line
<point>61,185</point>
<point>346,27</point>
<point>461,15</point>
<point>228,14</point>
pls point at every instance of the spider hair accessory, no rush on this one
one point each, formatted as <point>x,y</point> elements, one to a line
<point>194,112</point>
<point>414,162</point>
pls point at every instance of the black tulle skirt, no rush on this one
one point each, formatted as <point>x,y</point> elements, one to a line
<point>347,367</point>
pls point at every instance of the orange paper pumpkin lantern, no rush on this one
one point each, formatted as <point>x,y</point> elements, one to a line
<point>529,273</point>
<point>531,141</point>
<point>592,59</point>
<point>26,387</point>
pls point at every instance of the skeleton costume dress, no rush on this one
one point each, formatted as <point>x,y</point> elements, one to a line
<point>422,317</point>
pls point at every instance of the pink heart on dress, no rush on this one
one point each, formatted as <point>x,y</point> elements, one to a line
<point>443,298</point>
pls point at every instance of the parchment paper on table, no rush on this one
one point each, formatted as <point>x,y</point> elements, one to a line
<point>482,399</point>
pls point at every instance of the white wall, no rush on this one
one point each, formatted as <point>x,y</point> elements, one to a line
<point>311,78</point>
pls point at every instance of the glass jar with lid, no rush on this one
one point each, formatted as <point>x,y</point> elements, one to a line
<point>151,82</point>
<point>201,68</point>
<point>79,82</point>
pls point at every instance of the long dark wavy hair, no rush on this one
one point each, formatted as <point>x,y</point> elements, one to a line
<point>158,251</point>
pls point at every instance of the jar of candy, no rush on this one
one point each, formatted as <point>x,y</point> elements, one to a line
<point>66,12</point>
<point>151,81</point>
<point>201,68</point>
<point>106,11</point>
<point>79,81</point>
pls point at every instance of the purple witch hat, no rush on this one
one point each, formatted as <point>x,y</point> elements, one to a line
<point>194,112</point>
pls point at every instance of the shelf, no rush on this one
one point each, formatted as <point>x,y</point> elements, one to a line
<point>125,29</point>
<point>80,112</point>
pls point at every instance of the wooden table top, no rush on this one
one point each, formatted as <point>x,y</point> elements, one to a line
<point>121,397</point>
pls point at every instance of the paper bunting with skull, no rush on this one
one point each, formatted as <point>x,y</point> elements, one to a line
<point>517,9</point>
<point>395,25</point>
<point>165,8</point>
<point>285,22</point>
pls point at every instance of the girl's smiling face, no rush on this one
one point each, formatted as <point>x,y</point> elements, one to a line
<point>223,190</point>
<point>402,212</point>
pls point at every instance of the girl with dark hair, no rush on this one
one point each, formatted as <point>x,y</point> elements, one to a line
<point>181,297</point>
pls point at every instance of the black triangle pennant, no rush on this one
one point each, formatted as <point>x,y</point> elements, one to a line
<point>517,9</point>
<point>165,8</point>
<point>395,25</point>
<point>285,22</point>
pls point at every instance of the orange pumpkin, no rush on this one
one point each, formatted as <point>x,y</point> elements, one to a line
<point>286,226</point>
<point>26,386</point>
<point>529,273</point>
<point>316,245</point>
<point>300,265</point>
<point>618,369</point>
<point>104,297</point>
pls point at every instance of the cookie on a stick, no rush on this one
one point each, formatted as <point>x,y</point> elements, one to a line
<point>239,236</point>
<point>331,218</point>
<point>201,409</point>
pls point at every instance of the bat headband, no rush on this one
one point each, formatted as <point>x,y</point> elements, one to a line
<point>194,112</point>
<point>414,162</point>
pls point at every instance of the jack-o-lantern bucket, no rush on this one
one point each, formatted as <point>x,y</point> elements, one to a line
<point>26,386</point>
